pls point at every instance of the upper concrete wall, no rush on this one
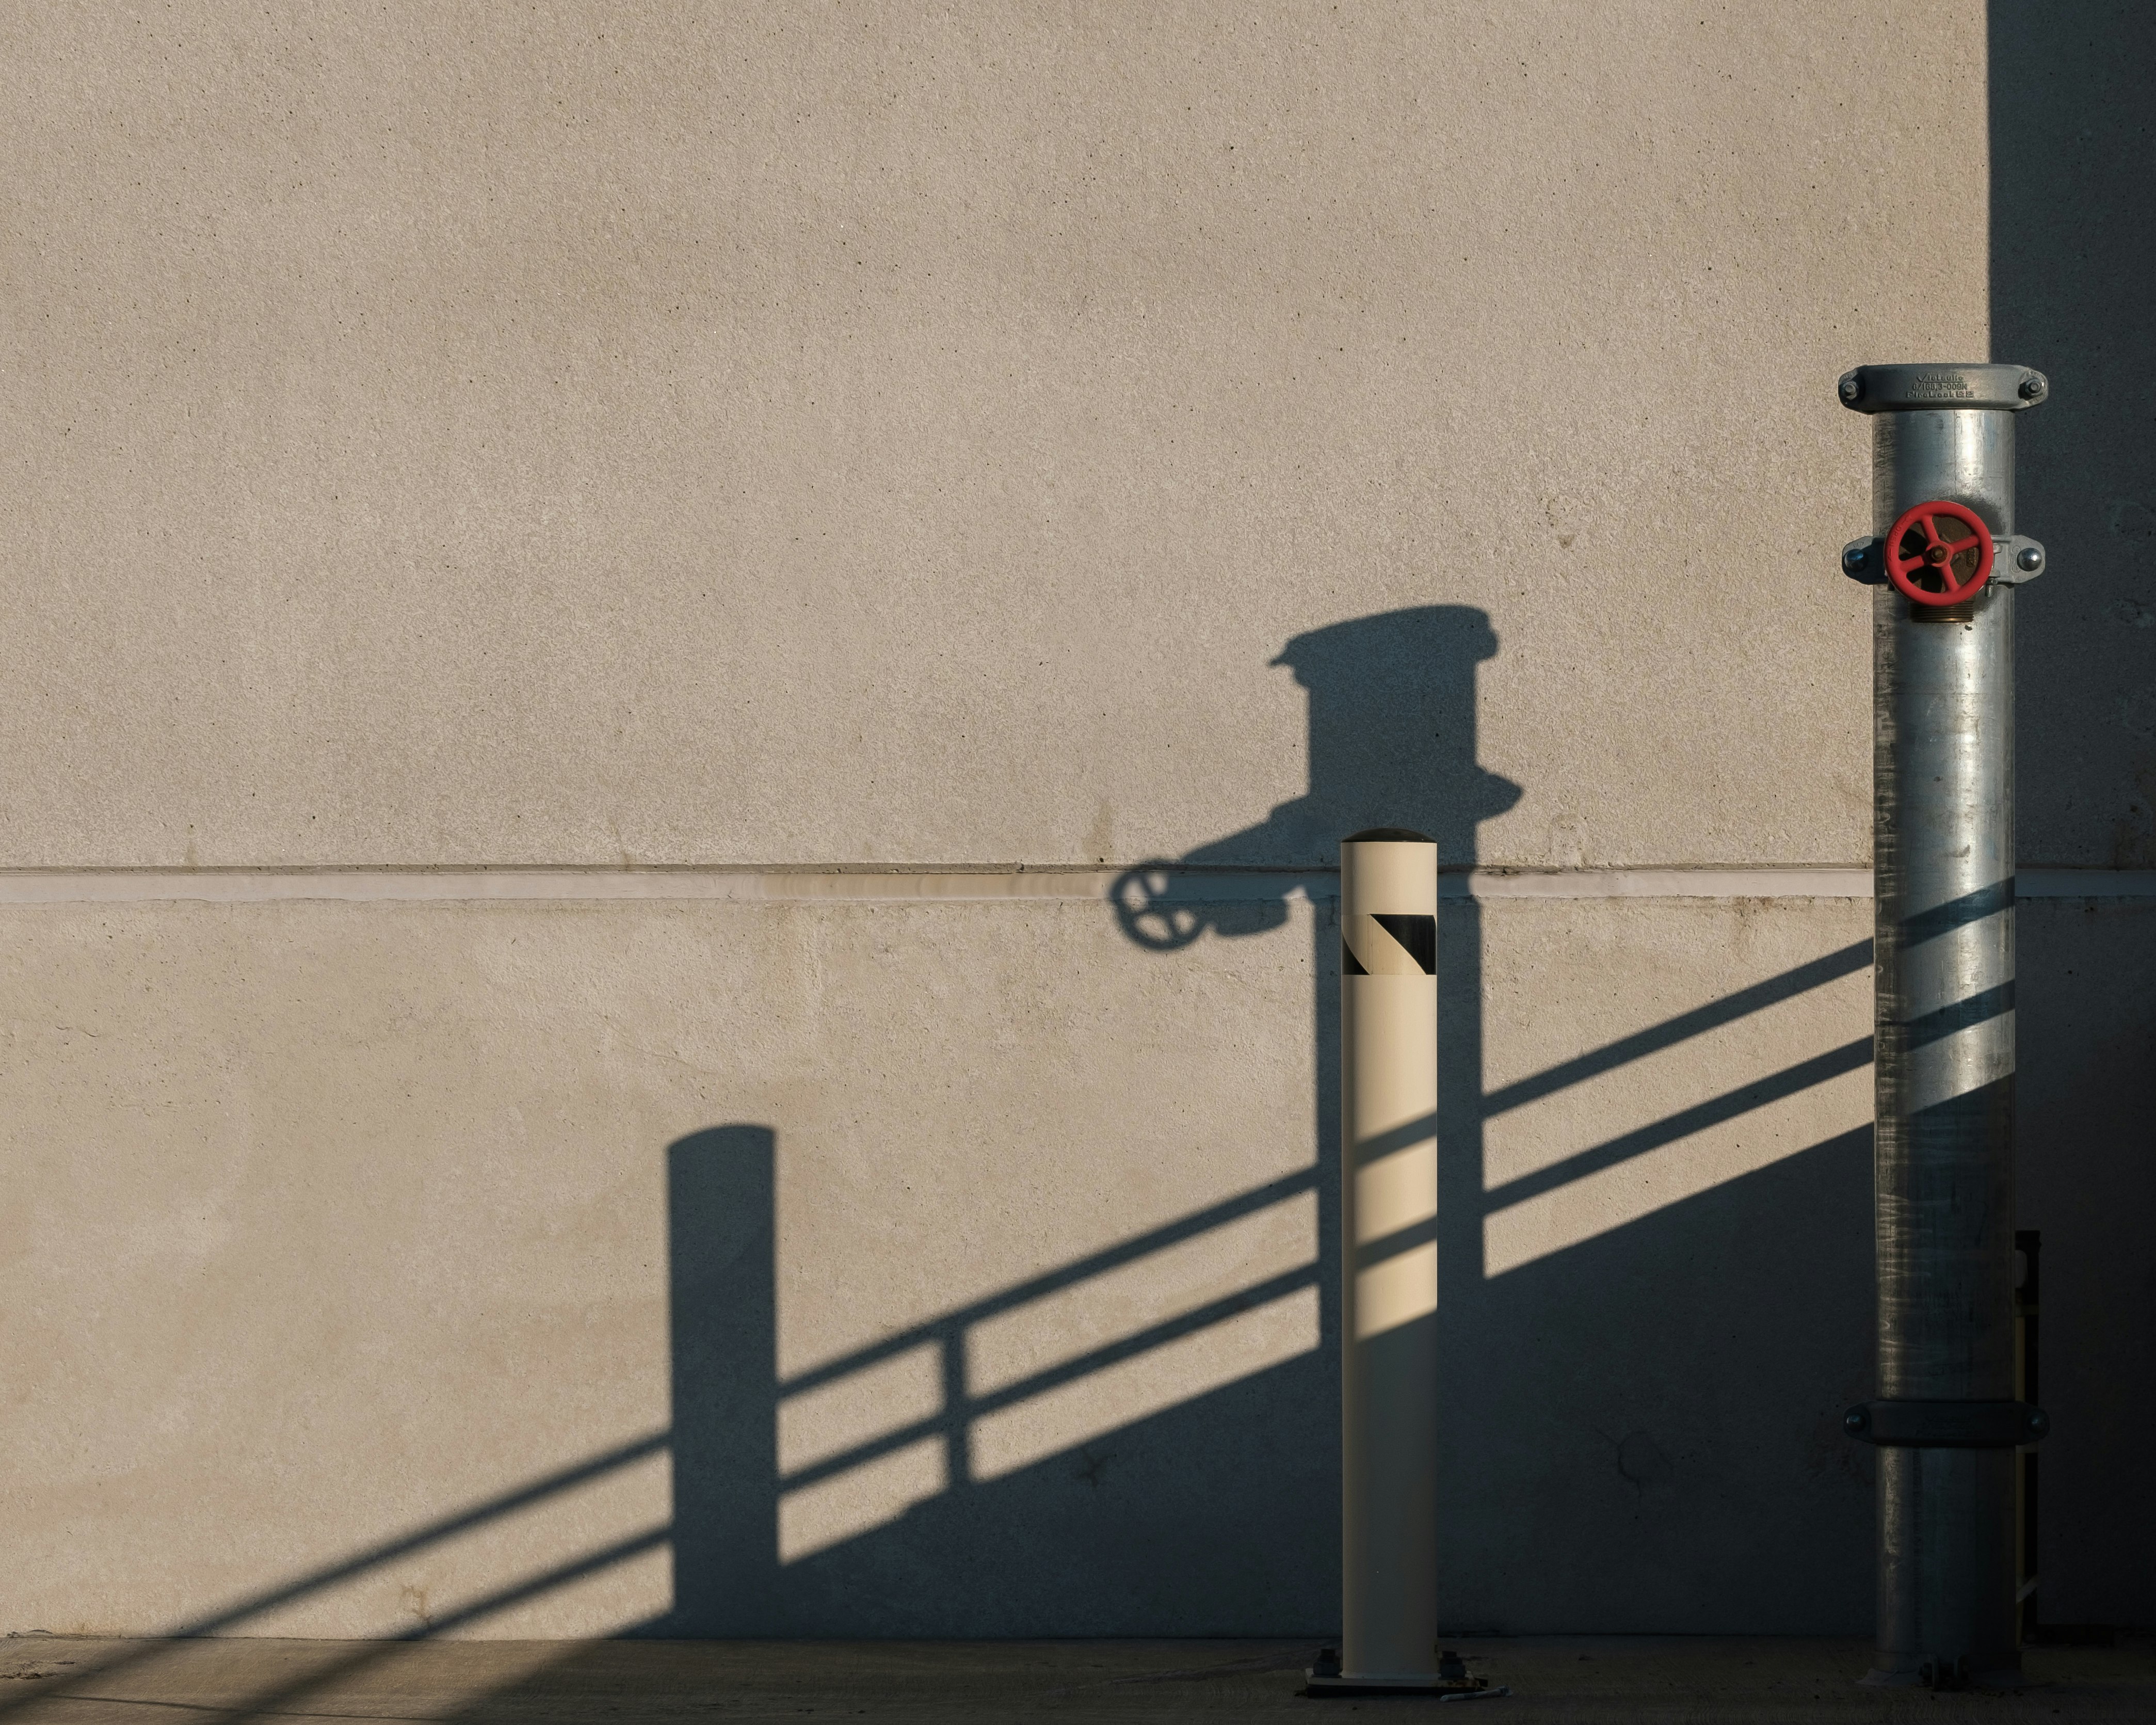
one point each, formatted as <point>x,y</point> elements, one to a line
<point>796,433</point>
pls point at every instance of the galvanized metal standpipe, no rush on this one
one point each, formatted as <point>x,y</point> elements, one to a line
<point>1389,1261</point>
<point>1945,562</point>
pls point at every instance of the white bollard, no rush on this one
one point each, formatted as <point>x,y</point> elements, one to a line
<point>1389,1260</point>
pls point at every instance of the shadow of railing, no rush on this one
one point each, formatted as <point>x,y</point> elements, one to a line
<point>961,1404</point>
<point>948,1333</point>
<point>715,1574</point>
<point>951,1424</point>
<point>246,1615</point>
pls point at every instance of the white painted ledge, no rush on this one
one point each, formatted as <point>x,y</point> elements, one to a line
<point>989,885</point>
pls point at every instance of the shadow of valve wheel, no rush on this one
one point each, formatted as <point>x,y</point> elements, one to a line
<point>1162,910</point>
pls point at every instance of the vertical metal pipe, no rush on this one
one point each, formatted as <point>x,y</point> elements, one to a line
<point>1389,1257</point>
<point>1943,879</point>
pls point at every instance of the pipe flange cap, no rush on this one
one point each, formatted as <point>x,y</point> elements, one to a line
<point>1914,389</point>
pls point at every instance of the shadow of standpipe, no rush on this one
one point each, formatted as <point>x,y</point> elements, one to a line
<point>1658,1400</point>
<point>1391,742</point>
<point>1169,1544</point>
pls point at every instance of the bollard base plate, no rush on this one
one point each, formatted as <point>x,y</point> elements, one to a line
<point>2005,1678</point>
<point>1410,1683</point>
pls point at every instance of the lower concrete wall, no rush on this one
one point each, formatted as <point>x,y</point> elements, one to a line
<point>936,1269</point>
<point>2086,1173</point>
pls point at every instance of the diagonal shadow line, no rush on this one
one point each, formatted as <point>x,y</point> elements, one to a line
<point>1727,1107</point>
<point>1625,1049</point>
<point>1937,1025</point>
<point>315,1581</point>
<point>1400,1240</point>
<point>1126,1251</point>
<point>975,1407</point>
<point>1955,913</point>
<point>1686,1026</point>
<point>277,1700</point>
<point>547,1486</point>
<point>1775,989</point>
<point>561,1575</point>
<point>1746,1001</point>
<point>1850,1057</point>
<point>1403,1136</point>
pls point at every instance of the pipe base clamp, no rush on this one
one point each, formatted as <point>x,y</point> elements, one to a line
<point>1946,1425</point>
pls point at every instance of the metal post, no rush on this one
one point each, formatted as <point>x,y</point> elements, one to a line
<point>1945,562</point>
<point>1389,1260</point>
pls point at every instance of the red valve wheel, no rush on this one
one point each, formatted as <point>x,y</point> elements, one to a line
<point>1922,545</point>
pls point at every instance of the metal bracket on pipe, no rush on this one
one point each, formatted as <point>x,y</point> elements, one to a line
<point>1946,1425</point>
<point>1922,388</point>
<point>2015,561</point>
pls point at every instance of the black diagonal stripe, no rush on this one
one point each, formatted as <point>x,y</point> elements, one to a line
<point>1417,934</point>
<point>1350,965</point>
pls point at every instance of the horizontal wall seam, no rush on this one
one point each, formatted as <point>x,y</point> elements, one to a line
<point>956,886</point>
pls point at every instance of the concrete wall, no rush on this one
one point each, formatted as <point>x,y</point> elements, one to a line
<point>925,526</point>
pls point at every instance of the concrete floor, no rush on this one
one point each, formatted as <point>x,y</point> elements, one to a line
<point>64,1681</point>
